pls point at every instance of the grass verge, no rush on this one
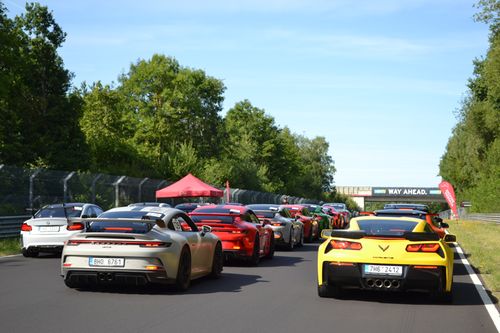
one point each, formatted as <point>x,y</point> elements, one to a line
<point>9,246</point>
<point>481,242</point>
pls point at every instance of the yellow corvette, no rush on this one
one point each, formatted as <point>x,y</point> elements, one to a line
<point>386,254</point>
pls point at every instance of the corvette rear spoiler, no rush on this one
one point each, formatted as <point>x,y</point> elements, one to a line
<point>411,236</point>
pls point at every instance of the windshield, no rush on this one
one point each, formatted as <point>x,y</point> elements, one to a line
<point>339,206</point>
<point>126,227</point>
<point>74,211</point>
<point>386,227</point>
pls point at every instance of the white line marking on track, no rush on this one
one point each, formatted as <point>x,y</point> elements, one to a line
<point>490,307</point>
<point>12,255</point>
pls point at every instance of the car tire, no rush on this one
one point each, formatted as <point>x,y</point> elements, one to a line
<point>217,262</point>
<point>327,290</point>
<point>255,258</point>
<point>291,244</point>
<point>29,253</point>
<point>272,246</point>
<point>301,239</point>
<point>310,236</point>
<point>183,279</point>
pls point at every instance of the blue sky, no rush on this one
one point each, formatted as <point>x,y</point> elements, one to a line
<point>379,79</point>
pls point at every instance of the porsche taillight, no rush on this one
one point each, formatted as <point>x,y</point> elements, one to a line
<point>75,226</point>
<point>427,247</point>
<point>26,227</point>
<point>345,245</point>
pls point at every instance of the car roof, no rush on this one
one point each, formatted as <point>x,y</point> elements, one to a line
<point>401,211</point>
<point>69,204</point>
<point>264,207</point>
<point>221,208</point>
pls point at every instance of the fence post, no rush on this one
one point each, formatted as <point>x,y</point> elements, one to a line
<point>94,181</point>
<point>65,185</point>
<point>32,177</point>
<point>117,190</point>
<point>139,197</point>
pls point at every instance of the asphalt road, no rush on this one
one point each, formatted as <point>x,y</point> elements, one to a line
<point>278,296</point>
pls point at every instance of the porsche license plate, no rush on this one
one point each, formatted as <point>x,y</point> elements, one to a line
<point>384,270</point>
<point>50,228</point>
<point>106,262</point>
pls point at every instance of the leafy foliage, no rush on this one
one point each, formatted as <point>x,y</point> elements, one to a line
<point>471,161</point>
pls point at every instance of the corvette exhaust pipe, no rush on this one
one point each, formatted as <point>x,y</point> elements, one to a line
<point>395,284</point>
<point>387,284</point>
<point>378,283</point>
<point>370,283</point>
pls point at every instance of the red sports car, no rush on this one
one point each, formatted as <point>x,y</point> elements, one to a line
<point>243,236</point>
<point>337,220</point>
<point>311,226</point>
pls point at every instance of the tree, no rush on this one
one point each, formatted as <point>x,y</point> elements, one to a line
<point>41,117</point>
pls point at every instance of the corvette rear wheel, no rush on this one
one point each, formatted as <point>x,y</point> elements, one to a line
<point>183,279</point>
<point>327,290</point>
<point>255,258</point>
<point>217,262</point>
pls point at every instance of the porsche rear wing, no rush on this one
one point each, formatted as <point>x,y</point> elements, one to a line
<point>411,236</point>
<point>114,220</point>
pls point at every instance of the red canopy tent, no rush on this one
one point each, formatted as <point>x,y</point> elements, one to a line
<point>189,186</point>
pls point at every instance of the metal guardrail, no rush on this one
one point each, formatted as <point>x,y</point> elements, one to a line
<point>493,217</point>
<point>464,215</point>
<point>10,226</point>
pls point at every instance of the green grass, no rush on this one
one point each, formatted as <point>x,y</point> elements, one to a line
<point>481,242</point>
<point>9,246</point>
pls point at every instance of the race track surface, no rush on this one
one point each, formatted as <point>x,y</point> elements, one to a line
<point>277,296</point>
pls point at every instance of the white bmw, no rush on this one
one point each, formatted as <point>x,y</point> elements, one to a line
<point>141,245</point>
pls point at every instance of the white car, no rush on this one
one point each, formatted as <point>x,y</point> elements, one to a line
<point>48,229</point>
<point>141,245</point>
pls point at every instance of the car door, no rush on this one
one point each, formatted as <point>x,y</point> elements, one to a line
<point>199,253</point>
<point>264,233</point>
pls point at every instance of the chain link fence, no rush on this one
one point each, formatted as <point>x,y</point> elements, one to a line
<point>22,190</point>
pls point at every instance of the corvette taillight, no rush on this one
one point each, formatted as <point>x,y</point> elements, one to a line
<point>428,247</point>
<point>75,226</point>
<point>26,227</point>
<point>345,245</point>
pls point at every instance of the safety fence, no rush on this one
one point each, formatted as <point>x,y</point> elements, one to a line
<point>24,191</point>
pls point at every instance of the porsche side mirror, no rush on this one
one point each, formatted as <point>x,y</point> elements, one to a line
<point>449,238</point>
<point>205,229</point>
<point>325,233</point>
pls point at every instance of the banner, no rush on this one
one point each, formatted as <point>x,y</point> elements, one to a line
<point>449,195</point>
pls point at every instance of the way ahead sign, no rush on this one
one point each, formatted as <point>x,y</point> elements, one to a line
<point>406,191</point>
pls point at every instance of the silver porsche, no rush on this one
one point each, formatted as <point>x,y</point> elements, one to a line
<point>141,245</point>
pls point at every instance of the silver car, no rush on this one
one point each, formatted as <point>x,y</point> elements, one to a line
<point>140,245</point>
<point>288,232</point>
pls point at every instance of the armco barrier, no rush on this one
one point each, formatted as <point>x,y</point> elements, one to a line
<point>464,215</point>
<point>10,226</point>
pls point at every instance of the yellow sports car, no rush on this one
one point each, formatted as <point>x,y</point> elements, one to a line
<point>386,254</point>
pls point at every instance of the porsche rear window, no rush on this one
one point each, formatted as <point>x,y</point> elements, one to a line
<point>386,227</point>
<point>126,227</point>
<point>212,219</point>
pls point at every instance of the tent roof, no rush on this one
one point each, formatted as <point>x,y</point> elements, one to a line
<point>189,186</point>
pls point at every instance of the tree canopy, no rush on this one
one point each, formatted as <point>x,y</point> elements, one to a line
<point>471,161</point>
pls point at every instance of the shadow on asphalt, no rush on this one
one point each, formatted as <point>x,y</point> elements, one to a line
<point>227,283</point>
<point>463,294</point>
